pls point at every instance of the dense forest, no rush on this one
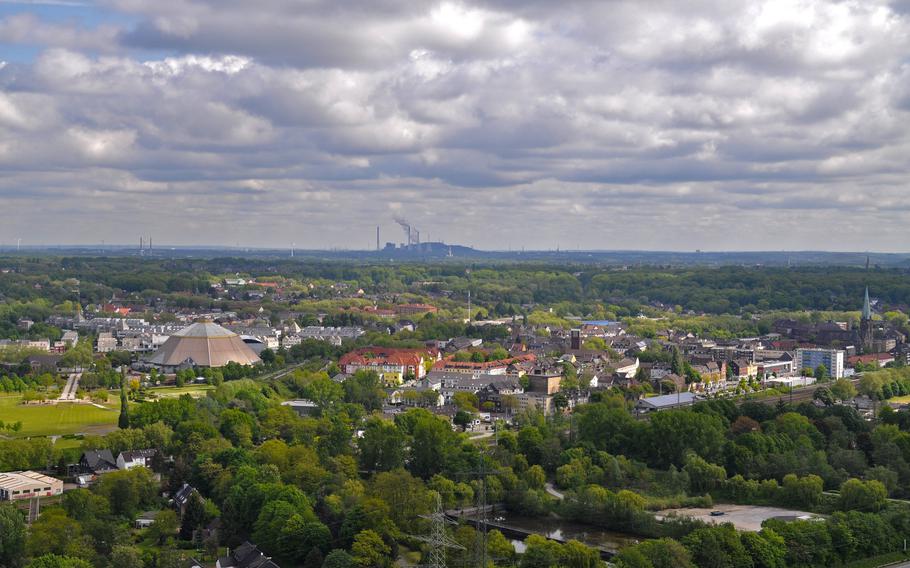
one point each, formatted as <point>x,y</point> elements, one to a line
<point>724,290</point>
<point>307,489</point>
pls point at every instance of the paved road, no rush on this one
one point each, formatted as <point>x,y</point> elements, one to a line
<point>552,491</point>
<point>72,385</point>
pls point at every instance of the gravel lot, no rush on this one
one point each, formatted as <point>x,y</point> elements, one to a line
<point>743,517</point>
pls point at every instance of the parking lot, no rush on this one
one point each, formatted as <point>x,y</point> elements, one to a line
<point>743,517</point>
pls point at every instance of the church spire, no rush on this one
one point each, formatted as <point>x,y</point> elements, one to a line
<point>867,306</point>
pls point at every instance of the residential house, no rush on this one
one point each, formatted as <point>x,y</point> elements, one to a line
<point>97,462</point>
<point>106,342</point>
<point>303,407</point>
<point>135,458</point>
<point>500,367</point>
<point>182,497</point>
<point>743,368</point>
<point>146,519</point>
<point>627,368</point>
<point>247,555</point>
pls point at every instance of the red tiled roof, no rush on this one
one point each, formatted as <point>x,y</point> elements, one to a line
<point>424,307</point>
<point>871,358</point>
<point>450,363</point>
<point>384,356</point>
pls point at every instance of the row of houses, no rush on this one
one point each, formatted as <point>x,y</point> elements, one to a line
<point>99,462</point>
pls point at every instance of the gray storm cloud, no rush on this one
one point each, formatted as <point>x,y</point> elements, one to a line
<point>706,124</point>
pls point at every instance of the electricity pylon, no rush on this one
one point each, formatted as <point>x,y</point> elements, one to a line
<point>439,540</point>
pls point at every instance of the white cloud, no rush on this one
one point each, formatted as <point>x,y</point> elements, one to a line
<point>620,124</point>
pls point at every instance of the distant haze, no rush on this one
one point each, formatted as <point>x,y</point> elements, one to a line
<point>658,125</point>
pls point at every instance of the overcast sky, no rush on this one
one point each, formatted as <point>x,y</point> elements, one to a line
<point>581,124</point>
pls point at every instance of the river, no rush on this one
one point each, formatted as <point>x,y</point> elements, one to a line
<point>561,529</point>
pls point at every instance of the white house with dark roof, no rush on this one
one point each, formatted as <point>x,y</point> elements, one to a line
<point>135,458</point>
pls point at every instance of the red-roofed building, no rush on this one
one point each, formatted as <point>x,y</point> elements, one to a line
<point>500,367</point>
<point>415,309</point>
<point>880,359</point>
<point>390,363</point>
<point>112,309</point>
<point>374,311</point>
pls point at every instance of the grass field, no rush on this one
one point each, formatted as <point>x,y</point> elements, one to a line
<point>900,399</point>
<point>74,418</point>
<point>194,391</point>
<point>59,419</point>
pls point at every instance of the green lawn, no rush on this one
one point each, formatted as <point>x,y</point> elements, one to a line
<point>900,399</point>
<point>194,391</point>
<point>59,419</point>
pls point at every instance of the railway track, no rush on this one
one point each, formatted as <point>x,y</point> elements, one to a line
<point>801,394</point>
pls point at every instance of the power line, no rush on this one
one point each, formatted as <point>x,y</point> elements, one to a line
<point>439,540</point>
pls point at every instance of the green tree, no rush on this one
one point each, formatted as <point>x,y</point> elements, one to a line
<point>268,357</point>
<point>541,552</point>
<point>843,389</point>
<point>53,533</point>
<point>703,476</point>
<point>370,551</point>
<point>126,557</point>
<point>802,491</point>
<point>381,446</point>
<point>766,548</point>
<point>674,433</point>
<point>432,442</point>
<point>128,491</point>
<point>314,559</point>
<point>54,561</point>
<point>164,527</point>
<point>462,418</point>
<point>12,536</point>
<point>717,547</point>
<point>856,495</point>
<point>405,495</point>
<point>194,516</point>
<point>364,388</point>
<point>535,477</point>
<point>665,553</point>
<point>324,392</point>
<point>300,537</point>
<point>821,373</point>
<point>124,420</point>
<point>339,559</point>
<point>574,554</point>
<point>466,401</point>
<point>500,549</point>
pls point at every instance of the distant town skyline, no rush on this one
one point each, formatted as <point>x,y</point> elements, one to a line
<point>495,124</point>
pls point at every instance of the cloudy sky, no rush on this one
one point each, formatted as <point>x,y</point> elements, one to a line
<point>499,123</point>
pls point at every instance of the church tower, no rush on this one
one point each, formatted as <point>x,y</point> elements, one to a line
<point>866,332</point>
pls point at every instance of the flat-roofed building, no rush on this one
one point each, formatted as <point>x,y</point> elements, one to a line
<point>16,485</point>
<point>832,359</point>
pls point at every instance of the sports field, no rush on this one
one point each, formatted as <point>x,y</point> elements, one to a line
<point>194,391</point>
<point>59,419</point>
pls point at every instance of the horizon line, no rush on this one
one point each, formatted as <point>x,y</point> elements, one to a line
<point>12,248</point>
